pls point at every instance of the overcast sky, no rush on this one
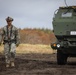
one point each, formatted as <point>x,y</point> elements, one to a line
<point>30,13</point>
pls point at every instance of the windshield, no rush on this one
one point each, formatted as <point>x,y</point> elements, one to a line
<point>68,14</point>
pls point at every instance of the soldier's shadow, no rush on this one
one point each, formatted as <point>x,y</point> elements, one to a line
<point>2,62</point>
<point>71,63</point>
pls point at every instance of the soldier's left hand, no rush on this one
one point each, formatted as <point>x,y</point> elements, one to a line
<point>17,45</point>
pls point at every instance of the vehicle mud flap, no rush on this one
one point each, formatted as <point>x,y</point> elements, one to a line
<point>61,58</point>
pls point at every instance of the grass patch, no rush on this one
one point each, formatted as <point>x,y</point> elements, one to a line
<point>29,48</point>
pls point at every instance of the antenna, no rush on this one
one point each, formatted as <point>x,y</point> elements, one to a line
<point>65,3</point>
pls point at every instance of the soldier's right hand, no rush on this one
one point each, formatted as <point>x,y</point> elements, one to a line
<point>0,44</point>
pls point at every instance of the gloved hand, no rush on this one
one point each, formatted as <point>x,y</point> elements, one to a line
<point>17,45</point>
<point>0,44</point>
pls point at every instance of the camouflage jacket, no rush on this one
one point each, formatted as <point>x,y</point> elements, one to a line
<point>10,34</point>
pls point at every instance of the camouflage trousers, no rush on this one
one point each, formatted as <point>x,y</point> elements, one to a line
<point>9,52</point>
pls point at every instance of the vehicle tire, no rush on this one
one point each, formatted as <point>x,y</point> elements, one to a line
<point>61,58</point>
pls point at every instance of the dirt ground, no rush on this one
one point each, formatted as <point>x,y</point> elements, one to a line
<point>38,64</point>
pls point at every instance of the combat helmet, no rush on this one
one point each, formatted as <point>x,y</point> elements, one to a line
<point>9,19</point>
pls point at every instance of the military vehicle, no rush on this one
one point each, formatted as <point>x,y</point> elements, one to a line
<point>64,27</point>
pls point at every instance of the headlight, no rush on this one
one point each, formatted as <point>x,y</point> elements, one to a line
<point>58,45</point>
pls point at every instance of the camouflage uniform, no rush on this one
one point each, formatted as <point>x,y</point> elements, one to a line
<point>11,39</point>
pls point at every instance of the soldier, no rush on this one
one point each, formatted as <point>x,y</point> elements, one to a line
<point>11,39</point>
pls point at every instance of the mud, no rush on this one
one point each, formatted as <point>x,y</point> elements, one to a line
<point>38,64</point>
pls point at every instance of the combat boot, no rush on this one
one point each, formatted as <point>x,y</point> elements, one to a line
<point>12,64</point>
<point>7,65</point>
